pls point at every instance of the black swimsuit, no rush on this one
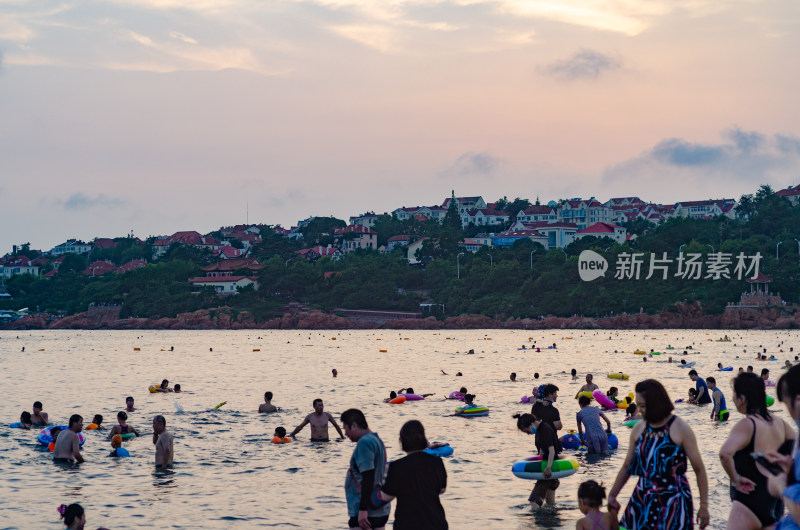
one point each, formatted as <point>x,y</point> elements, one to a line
<point>766,508</point>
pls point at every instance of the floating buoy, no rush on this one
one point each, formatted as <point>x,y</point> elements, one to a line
<point>256,349</point>
<point>41,349</point>
<point>382,351</point>
<point>333,338</point>
<point>137,349</point>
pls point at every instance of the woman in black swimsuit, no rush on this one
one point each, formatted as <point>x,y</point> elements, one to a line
<point>758,432</point>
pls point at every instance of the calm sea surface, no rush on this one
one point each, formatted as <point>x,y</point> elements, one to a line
<point>227,473</point>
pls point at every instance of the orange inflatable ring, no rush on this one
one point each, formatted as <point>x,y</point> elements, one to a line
<point>398,400</point>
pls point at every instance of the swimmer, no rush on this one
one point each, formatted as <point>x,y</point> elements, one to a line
<point>410,390</point>
<point>163,442</point>
<point>116,445</point>
<point>334,372</point>
<point>644,359</point>
<point>612,394</point>
<point>54,432</point>
<point>719,366</point>
<point>96,422</point>
<point>632,414</point>
<point>670,359</point>
<point>588,387</point>
<point>458,395</point>
<point>74,516</point>
<point>177,389</point>
<point>25,420</point>
<point>164,387</point>
<point>513,376</point>
<point>459,374</point>
<point>590,502</point>
<point>280,436</point>
<point>574,374</point>
<point>536,375</point>
<point>122,427</point>
<point>129,404</point>
<point>67,447</point>
<point>40,418</point>
<point>267,406</point>
<point>392,395</point>
<point>319,420</point>
<point>741,370</point>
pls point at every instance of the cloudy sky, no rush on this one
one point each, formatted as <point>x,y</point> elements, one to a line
<point>164,115</point>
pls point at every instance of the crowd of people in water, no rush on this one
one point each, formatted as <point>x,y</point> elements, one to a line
<point>760,455</point>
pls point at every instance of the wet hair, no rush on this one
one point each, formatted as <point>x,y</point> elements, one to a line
<point>764,371</point>
<point>469,397</point>
<point>592,493</point>
<point>631,410</point>
<point>789,384</point>
<point>392,394</point>
<point>749,368</point>
<point>268,396</point>
<point>314,403</point>
<point>524,421</point>
<point>750,387</point>
<point>71,513</point>
<point>161,420</point>
<point>25,417</point>
<point>177,388</point>
<point>409,390</point>
<point>129,398</point>
<point>611,391</point>
<point>692,372</point>
<point>536,375</point>
<point>573,371</point>
<point>514,375</point>
<point>164,383</point>
<point>54,432</point>
<point>711,380</point>
<point>463,390</point>
<point>584,401</point>
<point>659,405</point>
<point>98,419</point>
<point>280,432</point>
<point>549,389</point>
<point>75,418</point>
<point>37,404</point>
<point>693,392</point>
<point>122,415</point>
<point>354,417</point>
<point>412,436</point>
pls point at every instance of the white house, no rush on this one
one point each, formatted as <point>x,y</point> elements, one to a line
<point>484,217</point>
<point>18,267</point>
<point>584,213</point>
<point>365,219</point>
<point>705,209</point>
<point>533,214</point>
<point>71,246</point>
<point>617,233</point>
<point>224,284</point>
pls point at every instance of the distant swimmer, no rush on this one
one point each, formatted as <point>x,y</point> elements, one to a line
<point>177,389</point>
<point>163,442</point>
<point>410,390</point>
<point>25,421</point>
<point>267,406</point>
<point>280,436</point>
<point>164,386</point>
<point>319,420</point>
<point>588,387</point>
<point>67,448</point>
<point>513,376</point>
<point>96,423</point>
<point>39,417</point>
<point>122,427</point>
<point>574,373</point>
<point>392,396</point>
<point>129,404</point>
<point>334,372</point>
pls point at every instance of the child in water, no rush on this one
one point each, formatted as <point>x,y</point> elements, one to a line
<point>590,500</point>
<point>96,422</point>
<point>392,395</point>
<point>280,436</point>
<point>612,394</point>
<point>631,413</point>
<point>54,433</point>
<point>590,429</point>
<point>116,445</point>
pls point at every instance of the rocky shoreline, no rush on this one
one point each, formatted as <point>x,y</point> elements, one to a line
<point>679,316</point>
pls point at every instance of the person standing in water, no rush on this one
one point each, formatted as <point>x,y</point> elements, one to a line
<point>267,406</point>
<point>162,439</point>
<point>319,420</point>
<point>40,418</point>
<point>68,447</point>
<point>720,411</point>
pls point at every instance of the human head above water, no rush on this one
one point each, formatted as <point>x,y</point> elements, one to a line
<point>267,396</point>
<point>317,404</point>
<point>25,418</point>
<point>654,399</point>
<point>74,420</point>
<point>280,432</point>
<point>72,513</point>
<point>98,419</point>
<point>37,405</point>
<point>584,401</point>
<point>164,383</point>
<point>592,494</point>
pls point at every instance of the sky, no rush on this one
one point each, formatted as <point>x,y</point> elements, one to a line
<point>155,116</point>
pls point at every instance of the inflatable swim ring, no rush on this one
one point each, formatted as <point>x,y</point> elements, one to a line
<point>44,437</point>
<point>587,393</point>
<point>626,401</point>
<point>527,399</point>
<point>157,388</point>
<point>16,425</point>
<point>655,353</point>
<point>630,423</point>
<point>472,411</point>
<point>398,400</point>
<point>279,440</point>
<point>532,468</point>
<point>689,365</point>
<point>570,441</point>
<point>770,401</point>
<point>444,450</point>
<point>603,399</point>
<point>618,375</point>
<point>411,397</point>
<point>455,394</point>
<point>127,435</point>
<point>640,352</point>
<point>726,369</point>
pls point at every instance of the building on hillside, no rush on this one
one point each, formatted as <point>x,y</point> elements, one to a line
<point>186,238</point>
<point>362,238</point>
<point>18,265</point>
<point>227,267</point>
<point>132,265</point>
<point>791,194</point>
<point>229,252</point>
<point>583,213</point>
<point>99,268</point>
<point>397,241</point>
<point>509,237</point>
<point>224,285</point>
<point>759,295</point>
<point>464,204</point>
<point>484,217</point>
<point>470,244</point>
<point>617,233</point>
<point>537,213</point>
<point>558,235</point>
<point>365,219</point>
<point>318,251</point>
<point>706,209</point>
<point>634,202</point>
<point>71,246</point>
<point>103,243</point>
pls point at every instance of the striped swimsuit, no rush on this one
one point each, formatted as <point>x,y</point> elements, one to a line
<point>662,498</point>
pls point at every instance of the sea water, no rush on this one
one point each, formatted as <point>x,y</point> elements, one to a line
<point>227,474</point>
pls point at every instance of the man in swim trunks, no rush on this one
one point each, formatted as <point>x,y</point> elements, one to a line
<point>163,442</point>
<point>68,447</point>
<point>367,471</point>
<point>39,418</point>
<point>720,412</point>
<point>319,424</point>
<point>267,406</point>
<point>588,387</point>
